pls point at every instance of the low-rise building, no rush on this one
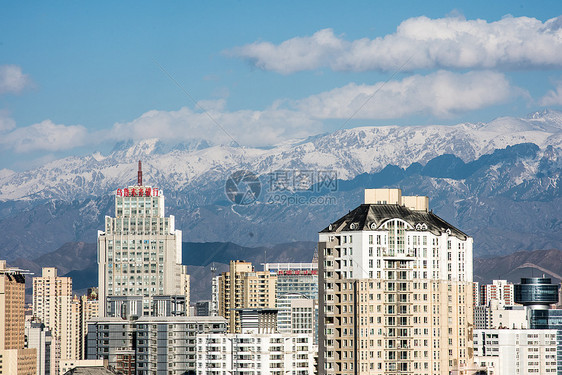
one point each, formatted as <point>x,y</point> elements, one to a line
<point>497,315</point>
<point>253,354</point>
<point>67,365</point>
<point>150,345</point>
<point>515,351</point>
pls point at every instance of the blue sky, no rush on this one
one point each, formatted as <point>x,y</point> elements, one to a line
<point>79,76</point>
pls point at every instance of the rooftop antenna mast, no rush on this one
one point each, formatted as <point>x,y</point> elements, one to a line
<point>139,178</point>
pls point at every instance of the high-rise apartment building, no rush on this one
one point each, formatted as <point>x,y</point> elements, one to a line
<point>395,290</point>
<point>39,337</point>
<point>52,305</point>
<point>499,290</point>
<point>14,358</point>
<point>243,287</point>
<point>140,257</point>
<point>83,309</point>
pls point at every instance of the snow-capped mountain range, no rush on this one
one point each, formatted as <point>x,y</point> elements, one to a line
<point>349,152</point>
<point>499,182</point>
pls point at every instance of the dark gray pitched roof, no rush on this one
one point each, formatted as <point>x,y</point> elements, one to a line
<point>372,216</point>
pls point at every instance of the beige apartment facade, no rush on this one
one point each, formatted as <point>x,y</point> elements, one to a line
<point>53,306</point>
<point>395,290</point>
<point>83,309</point>
<point>14,358</point>
<point>242,287</point>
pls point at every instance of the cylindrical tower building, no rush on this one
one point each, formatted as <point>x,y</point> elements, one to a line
<point>536,292</point>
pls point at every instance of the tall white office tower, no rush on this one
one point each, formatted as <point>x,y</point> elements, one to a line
<point>395,290</point>
<point>140,257</point>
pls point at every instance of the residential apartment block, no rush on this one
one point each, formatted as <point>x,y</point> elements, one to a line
<point>498,290</point>
<point>52,305</point>
<point>39,337</point>
<point>150,345</point>
<point>395,290</point>
<point>497,315</point>
<point>255,354</point>
<point>516,351</point>
<point>242,287</point>
<point>14,358</point>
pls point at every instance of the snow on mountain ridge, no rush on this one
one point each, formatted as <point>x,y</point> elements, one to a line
<point>349,151</point>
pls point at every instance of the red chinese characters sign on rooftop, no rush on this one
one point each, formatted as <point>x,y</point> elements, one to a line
<point>138,192</point>
<point>297,272</point>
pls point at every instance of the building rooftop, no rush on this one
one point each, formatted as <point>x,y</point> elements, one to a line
<point>90,371</point>
<point>161,319</point>
<point>372,216</point>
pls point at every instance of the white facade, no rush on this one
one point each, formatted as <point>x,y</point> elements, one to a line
<point>496,315</point>
<point>513,351</point>
<point>39,337</point>
<point>434,257</point>
<point>296,297</point>
<point>304,317</point>
<point>396,290</point>
<point>139,253</point>
<point>255,354</point>
<point>214,310</point>
<point>500,290</point>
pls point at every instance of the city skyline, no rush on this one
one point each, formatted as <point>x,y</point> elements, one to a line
<point>78,79</point>
<point>395,295</point>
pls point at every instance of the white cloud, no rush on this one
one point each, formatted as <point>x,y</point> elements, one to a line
<point>301,53</point>
<point>419,43</point>
<point>246,127</point>
<point>552,97</point>
<point>441,94</point>
<point>12,79</point>
<point>45,136</point>
<point>6,122</point>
